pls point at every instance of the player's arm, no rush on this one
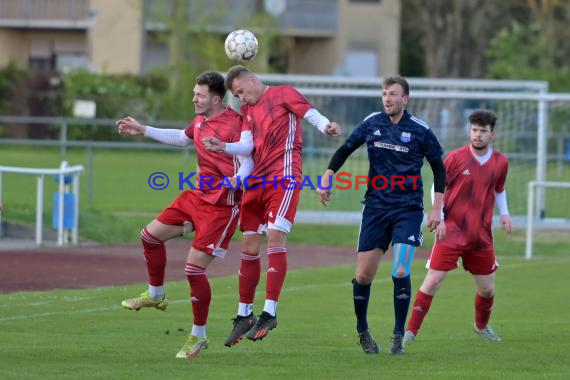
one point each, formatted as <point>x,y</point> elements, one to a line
<point>435,215</point>
<point>505,218</point>
<point>245,169</point>
<point>130,126</point>
<point>295,102</point>
<point>354,141</point>
<point>243,147</point>
<point>338,159</point>
<point>501,199</point>
<point>317,120</point>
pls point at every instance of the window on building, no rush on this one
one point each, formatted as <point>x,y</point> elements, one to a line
<point>41,63</point>
<point>361,63</point>
<point>65,62</point>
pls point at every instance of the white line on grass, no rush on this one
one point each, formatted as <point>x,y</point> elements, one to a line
<point>223,295</point>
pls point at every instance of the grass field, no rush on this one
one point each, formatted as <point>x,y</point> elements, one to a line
<point>85,334</point>
<point>123,202</point>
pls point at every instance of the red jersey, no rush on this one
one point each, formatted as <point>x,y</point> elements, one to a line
<point>226,127</point>
<point>275,122</point>
<point>469,198</point>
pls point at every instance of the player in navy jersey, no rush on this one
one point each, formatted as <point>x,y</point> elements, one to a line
<point>210,211</point>
<point>476,175</point>
<point>397,143</point>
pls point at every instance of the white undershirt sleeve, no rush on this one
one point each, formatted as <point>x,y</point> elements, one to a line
<point>175,137</point>
<point>243,147</point>
<point>316,119</point>
<point>501,202</point>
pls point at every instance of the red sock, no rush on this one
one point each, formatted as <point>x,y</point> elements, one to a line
<point>276,272</point>
<point>249,274</point>
<point>155,256</point>
<point>483,307</point>
<point>200,293</point>
<point>419,311</point>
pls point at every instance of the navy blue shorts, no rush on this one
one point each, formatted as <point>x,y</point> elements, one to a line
<point>380,227</point>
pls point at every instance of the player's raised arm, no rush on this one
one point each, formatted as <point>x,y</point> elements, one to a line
<point>316,119</point>
<point>354,141</point>
<point>130,126</point>
<point>243,147</point>
<point>338,159</point>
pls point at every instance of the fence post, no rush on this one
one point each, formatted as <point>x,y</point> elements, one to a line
<point>39,209</point>
<point>75,231</point>
<point>60,227</point>
<point>90,172</point>
<point>2,204</point>
<point>529,220</point>
<point>63,138</point>
<point>541,156</point>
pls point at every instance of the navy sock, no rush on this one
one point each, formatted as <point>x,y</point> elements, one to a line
<point>402,294</point>
<point>361,295</point>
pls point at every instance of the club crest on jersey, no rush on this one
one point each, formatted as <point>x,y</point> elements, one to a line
<point>406,137</point>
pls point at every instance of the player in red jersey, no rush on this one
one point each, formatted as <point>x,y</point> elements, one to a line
<point>211,209</point>
<point>273,114</point>
<point>476,176</point>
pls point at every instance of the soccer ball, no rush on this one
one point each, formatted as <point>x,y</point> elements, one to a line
<point>241,45</point>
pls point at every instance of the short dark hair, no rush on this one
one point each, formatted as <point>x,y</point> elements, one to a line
<point>235,72</point>
<point>483,117</point>
<point>397,80</point>
<point>214,81</point>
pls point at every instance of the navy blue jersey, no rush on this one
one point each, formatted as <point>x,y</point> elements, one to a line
<point>396,153</point>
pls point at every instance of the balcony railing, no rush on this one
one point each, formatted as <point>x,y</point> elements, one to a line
<point>59,14</point>
<point>310,18</point>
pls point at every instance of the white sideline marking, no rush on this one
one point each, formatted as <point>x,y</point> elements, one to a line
<point>52,300</point>
<point>226,295</point>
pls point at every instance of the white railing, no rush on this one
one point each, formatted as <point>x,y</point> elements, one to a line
<point>532,186</point>
<point>63,170</point>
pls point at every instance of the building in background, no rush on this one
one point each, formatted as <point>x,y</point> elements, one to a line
<point>341,37</point>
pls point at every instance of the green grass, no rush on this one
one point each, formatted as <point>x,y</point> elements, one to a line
<point>120,201</point>
<point>76,334</point>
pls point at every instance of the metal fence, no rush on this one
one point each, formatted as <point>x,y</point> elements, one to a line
<point>533,130</point>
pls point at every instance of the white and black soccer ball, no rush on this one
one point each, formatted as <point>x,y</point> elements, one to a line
<point>241,45</point>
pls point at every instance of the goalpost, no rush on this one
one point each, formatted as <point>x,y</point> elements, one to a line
<point>533,186</point>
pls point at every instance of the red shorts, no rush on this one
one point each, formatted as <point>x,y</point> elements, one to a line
<point>446,259</point>
<point>273,208</point>
<point>214,225</point>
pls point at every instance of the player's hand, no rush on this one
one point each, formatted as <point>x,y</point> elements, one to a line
<point>506,223</point>
<point>213,144</point>
<point>440,231</point>
<point>325,196</point>
<point>434,219</point>
<point>130,126</point>
<point>324,188</point>
<point>333,129</point>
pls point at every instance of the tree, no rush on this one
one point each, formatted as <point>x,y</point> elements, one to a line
<point>195,41</point>
<point>455,34</point>
<point>538,50</point>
